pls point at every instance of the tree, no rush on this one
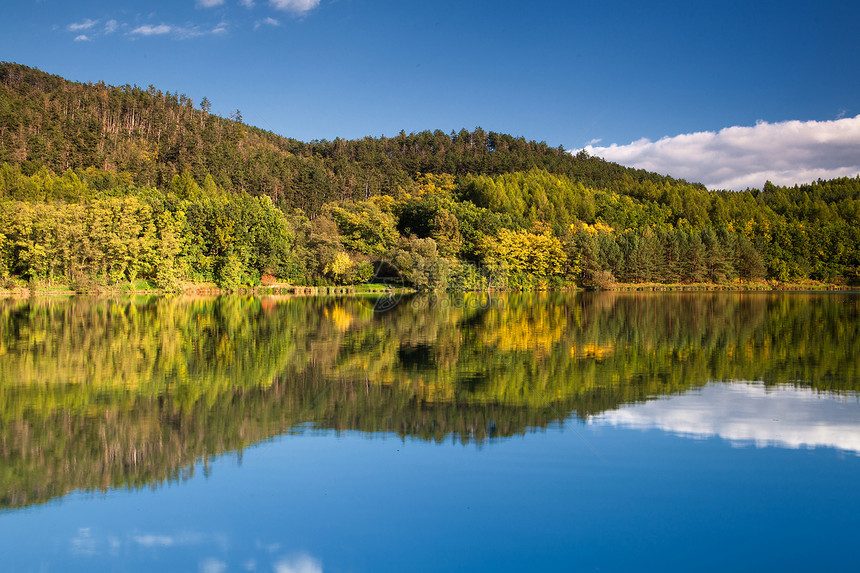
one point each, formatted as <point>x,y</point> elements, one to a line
<point>694,267</point>
<point>168,271</point>
<point>446,233</point>
<point>530,260</point>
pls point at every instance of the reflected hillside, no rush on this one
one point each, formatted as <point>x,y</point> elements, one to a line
<point>100,393</point>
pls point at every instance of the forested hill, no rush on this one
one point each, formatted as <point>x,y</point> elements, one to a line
<point>48,121</point>
<point>103,184</point>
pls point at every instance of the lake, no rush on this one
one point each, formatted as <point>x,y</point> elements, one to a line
<point>472,432</point>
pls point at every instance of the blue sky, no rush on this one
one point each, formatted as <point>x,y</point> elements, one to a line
<point>569,73</point>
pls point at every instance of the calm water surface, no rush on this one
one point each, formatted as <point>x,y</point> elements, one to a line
<point>564,432</point>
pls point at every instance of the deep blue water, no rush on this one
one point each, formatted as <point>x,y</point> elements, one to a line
<point>574,497</point>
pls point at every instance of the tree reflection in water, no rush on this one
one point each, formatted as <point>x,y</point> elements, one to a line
<point>100,393</point>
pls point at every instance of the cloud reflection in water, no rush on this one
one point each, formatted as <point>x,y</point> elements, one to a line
<point>750,413</point>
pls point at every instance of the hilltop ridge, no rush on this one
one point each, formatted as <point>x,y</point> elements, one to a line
<point>153,135</point>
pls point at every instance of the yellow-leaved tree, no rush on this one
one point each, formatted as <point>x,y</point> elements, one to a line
<point>526,259</point>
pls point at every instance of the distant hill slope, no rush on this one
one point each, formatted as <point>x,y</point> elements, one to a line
<point>101,183</point>
<point>46,120</point>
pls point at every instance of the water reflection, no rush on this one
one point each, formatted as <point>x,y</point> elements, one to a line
<point>104,393</point>
<point>750,413</point>
<point>176,547</point>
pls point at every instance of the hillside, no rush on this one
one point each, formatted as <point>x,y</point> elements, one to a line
<point>102,184</point>
<point>154,135</point>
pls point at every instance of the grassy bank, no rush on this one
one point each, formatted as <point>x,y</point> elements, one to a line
<point>20,288</point>
<point>735,286</point>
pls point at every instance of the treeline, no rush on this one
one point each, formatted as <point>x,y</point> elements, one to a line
<point>516,231</point>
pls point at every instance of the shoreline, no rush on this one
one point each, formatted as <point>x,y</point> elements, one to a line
<point>208,289</point>
<point>763,286</point>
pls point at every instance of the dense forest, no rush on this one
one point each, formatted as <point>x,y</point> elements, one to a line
<point>101,185</point>
<point>98,392</point>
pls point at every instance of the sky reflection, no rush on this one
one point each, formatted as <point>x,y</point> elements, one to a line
<point>215,549</point>
<point>747,413</point>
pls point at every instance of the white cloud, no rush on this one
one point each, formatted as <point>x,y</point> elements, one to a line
<point>750,414</point>
<point>299,564</point>
<point>209,3</point>
<point>178,32</point>
<point>295,6</point>
<point>266,22</point>
<point>212,565</point>
<point>269,547</point>
<point>80,26</point>
<point>159,540</point>
<point>150,540</point>
<point>84,543</point>
<point>114,544</point>
<point>147,30</point>
<point>89,25</point>
<point>183,33</point>
<point>785,153</point>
